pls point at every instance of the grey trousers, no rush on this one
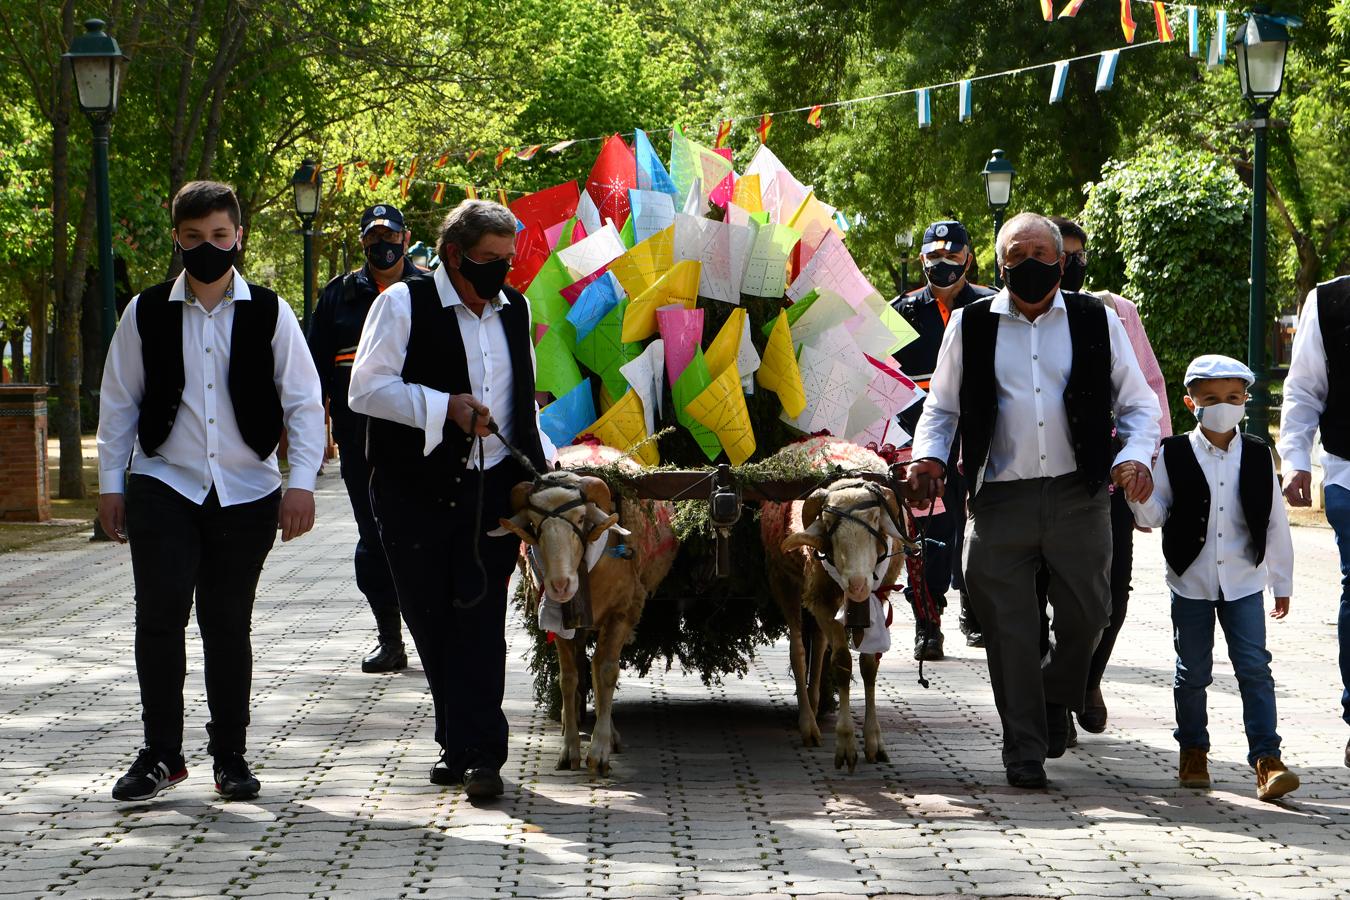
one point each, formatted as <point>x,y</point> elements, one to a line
<point>1017,525</point>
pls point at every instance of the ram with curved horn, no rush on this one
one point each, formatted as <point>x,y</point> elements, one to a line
<point>586,550</point>
<point>840,551</point>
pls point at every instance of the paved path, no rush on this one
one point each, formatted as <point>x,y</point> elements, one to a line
<point>713,796</point>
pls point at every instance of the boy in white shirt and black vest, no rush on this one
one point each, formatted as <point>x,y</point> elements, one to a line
<point>203,375</point>
<point>1226,538</point>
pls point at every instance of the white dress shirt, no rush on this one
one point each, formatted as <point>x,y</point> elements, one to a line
<point>377,387</point>
<point>205,447</point>
<point>1031,436</point>
<point>1227,564</point>
<point>1305,399</point>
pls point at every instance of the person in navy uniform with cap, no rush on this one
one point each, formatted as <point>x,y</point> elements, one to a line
<point>947,262</point>
<point>334,332</point>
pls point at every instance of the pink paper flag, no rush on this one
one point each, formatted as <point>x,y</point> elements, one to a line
<point>682,332</point>
<point>552,233</point>
<point>721,194</point>
<point>832,267</point>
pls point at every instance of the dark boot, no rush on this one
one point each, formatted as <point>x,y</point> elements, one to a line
<point>928,640</point>
<point>970,623</point>
<point>386,657</point>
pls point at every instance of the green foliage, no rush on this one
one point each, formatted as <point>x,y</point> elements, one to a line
<point>1169,227</point>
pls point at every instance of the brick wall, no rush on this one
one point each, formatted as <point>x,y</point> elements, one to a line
<point>23,454</point>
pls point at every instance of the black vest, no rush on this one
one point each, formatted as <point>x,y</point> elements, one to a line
<point>436,358</point>
<point>1188,520</point>
<point>253,389</point>
<point>1087,395</point>
<point>1333,315</point>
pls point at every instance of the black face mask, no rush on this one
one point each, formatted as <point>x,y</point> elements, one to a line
<point>384,254</point>
<point>944,273</point>
<point>208,263</point>
<point>1075,273</point>
<point>1030,280</point>
<point>487,278</point>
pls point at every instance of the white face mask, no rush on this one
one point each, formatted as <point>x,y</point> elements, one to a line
<point>1221,417</point>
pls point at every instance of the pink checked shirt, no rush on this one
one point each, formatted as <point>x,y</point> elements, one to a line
<point>1148,363</point>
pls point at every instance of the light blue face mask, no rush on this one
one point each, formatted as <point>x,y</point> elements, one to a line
<point>1221,417</point>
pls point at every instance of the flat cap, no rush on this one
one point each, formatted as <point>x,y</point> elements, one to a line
<point>1215,365</point>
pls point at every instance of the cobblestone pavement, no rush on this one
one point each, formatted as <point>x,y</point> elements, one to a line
<point>713,796</point>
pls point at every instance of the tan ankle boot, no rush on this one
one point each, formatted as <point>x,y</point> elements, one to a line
<point>1194,771</point>
<point>1273,780</point>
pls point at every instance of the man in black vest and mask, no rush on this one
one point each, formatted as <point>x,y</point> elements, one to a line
<point>1032,377</point>
<point>445,371</point>
<point>947,259</point>
<point>334,331</point>
<point>203,374</point>
<point>1317,395</point>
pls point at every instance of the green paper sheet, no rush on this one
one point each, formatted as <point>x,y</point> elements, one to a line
<point>693,381</point>
<point>628,234</point>
<point>555,368</point>
<point>603,351</point>
<point>547,306</point>
<point>794,312</point>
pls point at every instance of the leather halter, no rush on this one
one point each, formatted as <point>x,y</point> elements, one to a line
<point>877,500</point>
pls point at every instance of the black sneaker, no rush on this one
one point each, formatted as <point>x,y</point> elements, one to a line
<point>150,774</point>
<point>483,784</point>
<point>233,779</point>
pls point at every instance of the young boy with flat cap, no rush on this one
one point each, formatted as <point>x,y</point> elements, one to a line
<point>1226,539</point>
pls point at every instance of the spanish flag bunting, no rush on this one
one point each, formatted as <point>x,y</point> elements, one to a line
<point>314,176</point>
<point>340,178</point>
<point>412,168</point>
<point>501,157</point>
<point>439,194</point>
<point>765,123</point>
<point>444,158</point>
<point>361,164</point>
<point>560,146</point>
<point>529,152</point>
<point>1127,21</point>
<point>374,180</point>
<point>388,168</point>
<point>501,196</point>
<point>723,129</point>
<point>403,188</point>
<point>1071,10</point>
<point>470,192</point>
<point>472,156</point>
<point>1164,26</point>
<point>1048,10</point>
<point>813,117</point>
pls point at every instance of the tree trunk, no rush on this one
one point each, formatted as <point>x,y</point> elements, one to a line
<point>16,368</point>
<point>37,323</point>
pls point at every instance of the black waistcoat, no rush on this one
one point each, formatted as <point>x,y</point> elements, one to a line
<point>1188,520</point>
<point>1333,315</point>
<point>436,358</point>
<point>253,390</point>
<point>1087,395</point>
<point>919,308</point>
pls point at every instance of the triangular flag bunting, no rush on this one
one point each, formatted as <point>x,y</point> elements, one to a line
<point>1061,78</point>
<point>444,158</point>
<point>723,130</point>
<point>472,156</point>
<point>439,194</point>
<point>813,117</point>
<point>560,146</point>
<point>1048,10</point>
<point>922,107</point>
<point>529,152</point>
<point>501,157</point>
<point>1164,27</point>
<point>1106,70</point>
<point>1071,10</point>
<point>966,104</point>
<point>765,123</point>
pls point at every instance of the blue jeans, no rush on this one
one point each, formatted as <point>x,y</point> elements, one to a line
<point>1244,629</point>
<point>1338,515</point>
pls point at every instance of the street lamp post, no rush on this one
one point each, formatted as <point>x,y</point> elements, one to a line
<point>1262,42</point>
<point>305,182</point>
<point>905,241</point>
<point>998,178</point>
<point>98,66</point>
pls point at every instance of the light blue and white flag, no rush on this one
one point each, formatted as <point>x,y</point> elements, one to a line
<point>1060,80</point>
<point>966,105</point>
<point>1106,70</point>
<point>923,107</point>
<point>1193,26</point>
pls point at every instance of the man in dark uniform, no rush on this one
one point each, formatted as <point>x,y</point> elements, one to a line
<point>334,332</point>
<point>947,260</point>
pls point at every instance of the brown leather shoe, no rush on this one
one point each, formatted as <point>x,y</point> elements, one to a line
<point>1194,772</point>
<point>1273,780</point>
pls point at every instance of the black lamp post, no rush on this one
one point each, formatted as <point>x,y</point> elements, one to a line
<point>998,178</point>
<point>905,241</point>
<point>305,182</point>
<point>1262,42</point>
<point>98,66</point>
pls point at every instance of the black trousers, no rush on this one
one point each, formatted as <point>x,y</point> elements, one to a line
<point>429,537</point>
<point>180,550</point>
<point>373,578</point>
<point>1122,568</point>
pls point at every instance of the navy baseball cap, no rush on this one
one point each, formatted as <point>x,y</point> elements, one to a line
<point>948,234</point>
<point>381,214</point>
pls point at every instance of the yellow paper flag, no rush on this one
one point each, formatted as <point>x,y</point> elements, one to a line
<point>747,194</point>
<point>812,220</point>
<point>721,409</point>
<point>642,265</point>
<point>722,352</point>
<point>678,285</point>
<point>779,371</point>
<point>624,425</point>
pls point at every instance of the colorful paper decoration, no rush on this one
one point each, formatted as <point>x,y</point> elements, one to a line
<point>612,176</point>
<point>778,370</point>
<point>652,213</point>
<point>722,248</point>
<point>721,353</point>
<point>690,162</point>
<point>766,269</point>
<point>548,207</point>
<point>746,194</point>
<point>651,174</point>
<point>546,302</point>
<point>721,409</point>
<point>597,250</point>
<point>641,266</point>
<point>1059,81</point>
<point>565,418</point>
<point>681,333</point>
<point>604,351</point>
<point>623,427</point>
<point>831,386</point>
<point>555,369</point>
<point>678,285</point>
<point>595,302</point>
<point>693,381</point>
<point>644,374</point>
<point>832,267</point>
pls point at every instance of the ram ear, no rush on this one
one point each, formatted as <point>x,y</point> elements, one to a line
<point>520,495</point>
<point>812,537</point>
<point>599,520</point>
<point>519,525</point>
<point>891,515</point>
<point>602,526</point>
<point>811,506</point>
